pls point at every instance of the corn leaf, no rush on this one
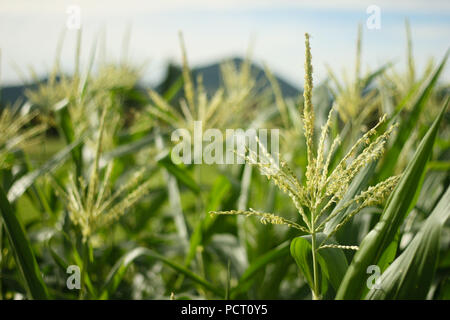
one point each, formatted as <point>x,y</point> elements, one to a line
<point>219,190</point>
<point>331,261</point>
<point>116,275</point>
<point>21,185</point>
<point>408,124</point>
<point>258,264</point>
<point>398,204</point>
<point>358,184</point>
<point>180,173</point>
<point>411,274</point>
<point>23,253</point>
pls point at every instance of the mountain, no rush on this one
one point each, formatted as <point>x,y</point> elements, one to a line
<point>10,94</point>
<point>212,79</point>
<point>211,74</point>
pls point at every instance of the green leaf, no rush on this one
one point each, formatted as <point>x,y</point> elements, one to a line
<point>301,252</point>
<point>219,190</point>
<point>68,132</point>
<point>115,276</point>
<point>228,249</point>
<point>439,166</point>
<point>397,208</point>
<point>332,262</point>
<point>128,148</point>
<point>172,91</point>
<point>21,185</point>
<point>411,274</point>
<point>258,264</point>
<point>180,173</point>
<point>23,253</point>
<point>60,262</point>
<point>357,185</point>
<point>367,81</point>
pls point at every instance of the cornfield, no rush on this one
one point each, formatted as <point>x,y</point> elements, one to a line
<point>355,205</point>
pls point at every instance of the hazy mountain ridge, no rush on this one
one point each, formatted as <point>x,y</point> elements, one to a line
<point>211,74</point>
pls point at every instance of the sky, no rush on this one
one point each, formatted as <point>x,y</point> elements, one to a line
<point>219,29</point>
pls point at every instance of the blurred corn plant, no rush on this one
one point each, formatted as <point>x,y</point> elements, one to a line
<point>91,204</point>
<point>17,132</point>
<point>357,102</point>
<point>399,88</point>
<point>85,90</point>
<point>404,94</point>
<point>292,145</point>
<point>290,122</point>
<point>229,107</point>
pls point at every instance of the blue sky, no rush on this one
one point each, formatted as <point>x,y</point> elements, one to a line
<point>218,29</point>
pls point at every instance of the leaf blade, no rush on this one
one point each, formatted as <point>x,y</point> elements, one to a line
<point>398,204</point>
<point>23,253</point>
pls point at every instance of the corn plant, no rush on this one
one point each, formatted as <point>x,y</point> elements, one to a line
<point>323,187</point>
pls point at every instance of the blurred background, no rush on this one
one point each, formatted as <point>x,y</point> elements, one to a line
<point>216,30</point>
